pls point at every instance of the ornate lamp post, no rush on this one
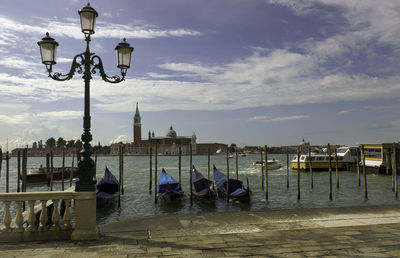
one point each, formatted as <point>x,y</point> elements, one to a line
<point>85,63</point>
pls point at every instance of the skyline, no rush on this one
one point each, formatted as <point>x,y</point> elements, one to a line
<point>257,72</point>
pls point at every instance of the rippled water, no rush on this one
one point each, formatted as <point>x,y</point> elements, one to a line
<point>136,202</point>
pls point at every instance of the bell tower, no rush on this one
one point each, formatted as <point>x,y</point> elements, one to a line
<point>137,127</point>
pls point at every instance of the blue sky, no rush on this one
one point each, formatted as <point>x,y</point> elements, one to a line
<point>251,72</point>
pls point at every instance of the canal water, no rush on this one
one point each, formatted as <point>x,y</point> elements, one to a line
<point>136,201</point>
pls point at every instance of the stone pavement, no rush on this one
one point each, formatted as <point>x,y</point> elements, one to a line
<point>335,232</point>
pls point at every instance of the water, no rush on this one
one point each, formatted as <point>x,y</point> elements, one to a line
<point>136,202</point>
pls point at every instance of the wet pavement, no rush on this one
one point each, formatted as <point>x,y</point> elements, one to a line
<point>336,232</point>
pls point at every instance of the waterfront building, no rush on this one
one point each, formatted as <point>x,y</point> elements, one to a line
<point>166,145</point>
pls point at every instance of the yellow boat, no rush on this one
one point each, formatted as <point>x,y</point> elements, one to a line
<point>320,161</point>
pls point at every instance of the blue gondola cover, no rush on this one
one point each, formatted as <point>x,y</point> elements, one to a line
<point>167,181</point>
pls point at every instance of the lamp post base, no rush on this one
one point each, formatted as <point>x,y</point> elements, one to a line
<point>85,174</point>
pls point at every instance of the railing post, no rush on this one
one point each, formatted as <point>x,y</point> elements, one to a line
<point>18,218</point>
<point>67,215</point>
<point>7,216</point>
<point>32,217</point>
<point>55,216</point>
<point>43,216</point>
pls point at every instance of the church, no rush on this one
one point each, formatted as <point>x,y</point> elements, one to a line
<point>166,145</point>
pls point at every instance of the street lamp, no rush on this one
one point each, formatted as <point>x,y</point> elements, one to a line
<point>85,63</point>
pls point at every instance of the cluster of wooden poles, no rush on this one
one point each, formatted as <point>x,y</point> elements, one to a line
<point>393,161</point>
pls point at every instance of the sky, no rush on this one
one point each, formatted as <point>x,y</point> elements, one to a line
<point>249,72</point>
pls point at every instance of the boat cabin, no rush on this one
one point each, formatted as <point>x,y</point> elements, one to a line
<point>378,155</point>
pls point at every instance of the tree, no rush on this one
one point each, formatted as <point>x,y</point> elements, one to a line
<point>50,143</point>
<point>70,143</point>
<point>78,144</point>
<point>61,142</point>
<point>34,145</point>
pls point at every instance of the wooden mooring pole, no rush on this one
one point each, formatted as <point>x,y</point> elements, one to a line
<point>180,164</point>
<point>24,171</point>
<point>364,173</point>
<point>337,169</point>
<point>227,173</point>
<point>310,164</point>
<point>63,170</point>
<point>395,169</point>
<point>155,174</point>
<point>287,168</point>
<point>237,164</point>
<point>262,169</point>
<point>266,172</point>
<point>151,170</point>
<point>71,173</point>
<point>51,170</point>
<point>298,173</point>
<point>95,166</point>
<point>1,161</point>
<point>208,163</point>
<point>122,169</point>
<point>358,168</point>
<point>330,172</point>
<point>18,171</point>
<point>7,172</point>
<point>120,175</point>
<point>190,174</point>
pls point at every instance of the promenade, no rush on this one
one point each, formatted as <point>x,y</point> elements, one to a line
<point>334,232</point>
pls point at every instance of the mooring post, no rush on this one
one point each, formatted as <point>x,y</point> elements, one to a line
<point>7,172</point>
<point>63,170</point>
<point>298,173</point>
<point>95,166</point>
<point>155,174</point>
<point>227,173</point>
<point>51,170</point>
<point>387,162</point>
<point>180,164</point>
<point>237,164</point>
<point>395,169</point>
<point>71,173</point>
<point>330,171</point>
<point>287,168</point>
<point>337,169</point>
<point>119,174</point>
<point>18,170</point>
<point>208,164</point>
<point>122,169</point>
<point>358,168</point>
<point>190,174</point>
<point>151,170</point>
<point>364,173</point>
<point>266,172</point>
<point>310,164</point>
<point>24,170</point>
<point>1,160</point>
<point>262,169</point>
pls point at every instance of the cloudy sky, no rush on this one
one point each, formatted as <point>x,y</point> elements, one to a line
<point>248,72</point>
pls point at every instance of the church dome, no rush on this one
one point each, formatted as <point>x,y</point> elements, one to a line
<point>171,133</point>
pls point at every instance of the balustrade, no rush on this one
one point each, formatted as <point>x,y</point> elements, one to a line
<point>25,222</point>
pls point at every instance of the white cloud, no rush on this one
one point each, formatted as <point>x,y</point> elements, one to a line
<point>346,111</point>
<point>277,119</point>
<point>121,138</point>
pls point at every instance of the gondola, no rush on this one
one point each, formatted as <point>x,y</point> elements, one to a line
<point>201,186</point>
<point>237,192</point>
<point>168,189</point>
<point>107,188</point>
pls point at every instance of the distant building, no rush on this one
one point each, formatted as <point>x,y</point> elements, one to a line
<point>166,145</point>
